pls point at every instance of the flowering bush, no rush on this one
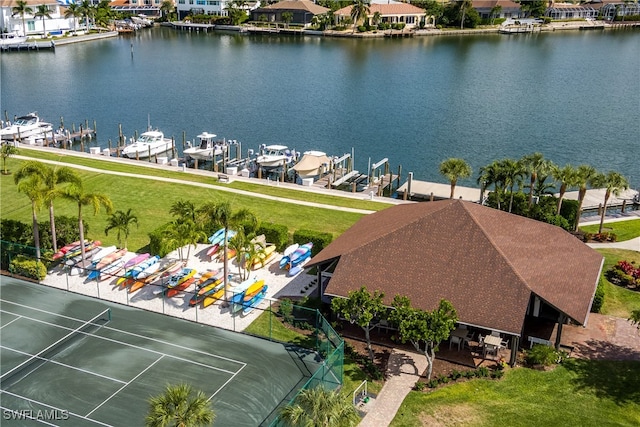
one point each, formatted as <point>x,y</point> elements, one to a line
<point>625,274</point>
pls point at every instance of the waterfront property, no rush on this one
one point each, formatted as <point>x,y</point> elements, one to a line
<point>33,25</point>
<point>390,12</point>
<point>302,12</point>
<point>503,273</point>
<point>488,9</point>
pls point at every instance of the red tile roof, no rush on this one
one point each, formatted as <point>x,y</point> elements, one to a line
<point>305,5</point>
<point>487,262</point>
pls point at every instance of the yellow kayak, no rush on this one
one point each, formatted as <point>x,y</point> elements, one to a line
<point>253,290</point>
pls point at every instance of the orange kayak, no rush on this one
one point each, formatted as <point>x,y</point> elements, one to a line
<point>172,292</point>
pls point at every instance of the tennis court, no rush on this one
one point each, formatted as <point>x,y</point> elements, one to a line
<point>71,360</point>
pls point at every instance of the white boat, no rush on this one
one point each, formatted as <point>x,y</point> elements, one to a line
<point>312,164</point>
<point>12,38</point>
<point>148,144</point>
<point>273,156</point>
<point>25,127</point>
<point>206,148</point>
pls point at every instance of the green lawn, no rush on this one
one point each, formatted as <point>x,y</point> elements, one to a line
<point>273,190</point>
<point>578,393</point>
<point>619,301</point>
<point>624,230</point>
<point>151,201</point>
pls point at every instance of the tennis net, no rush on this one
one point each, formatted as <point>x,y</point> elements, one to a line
<point>20,371</point>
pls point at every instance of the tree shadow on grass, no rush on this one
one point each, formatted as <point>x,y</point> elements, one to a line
<point>615,380</point>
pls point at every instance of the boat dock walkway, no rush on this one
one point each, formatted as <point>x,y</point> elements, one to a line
<point>424,190</point>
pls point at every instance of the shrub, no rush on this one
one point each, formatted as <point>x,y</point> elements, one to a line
<point>541,355</point>
<point>598,298</point>
<point>28,267</point>
<point>275,233</point>
<point>445,380</point>
<point>286,310</point>
<point>319,239</point>
<point>362,28</point>
<point>455,374</point>
<point>482,372</point>
<point>158,244</point>
<point>469,374</point>
<point>624,274</point>
<point>419,386</point>
<point>497,374</point>
<point>433,383</point>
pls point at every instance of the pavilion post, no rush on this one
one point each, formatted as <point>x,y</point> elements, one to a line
<point>561,319</point>
<point>515,343</point>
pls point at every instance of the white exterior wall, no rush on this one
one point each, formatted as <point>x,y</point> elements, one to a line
<point>34,25</point>
<point>210,7</point>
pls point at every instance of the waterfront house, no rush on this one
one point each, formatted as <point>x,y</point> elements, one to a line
<point>502,272</point>
<point>302,12</point>
<point>570,11</point>
<point>500,8</point>
<point>55,25</point>
<point>391,12</point>
<point>150,8</point>
<point>207,7</point>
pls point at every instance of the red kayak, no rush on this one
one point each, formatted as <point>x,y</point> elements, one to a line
<point>66,248</point>
<point>172,292</point>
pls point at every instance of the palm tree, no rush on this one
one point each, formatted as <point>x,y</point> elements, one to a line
<point>73,11</point>
<point>453,169</point>
<point>464,6</point>
<point>319,407</point>
<point>585,175</point>
<point>42,11</point>
<point>76,193</point>
<point>177,406</point>
<point>184,232</point>
<point>88,11</point>
<point>166,7</point>
<point>376,19</point>
<point>286,18</point>
<point>535,165</point>
<point>567,177</point>
<point>511,173</point>
<point>34,189</point>
<point>613,182</point>
<point>184,210</point>
<point>359,9</point>
<point>491,174</point>
<point>121,222</point>
<point>495,12</point>
<point>222,215</point>
<point>7,150</point>
<point>50,177</point>
<point>22,8</point>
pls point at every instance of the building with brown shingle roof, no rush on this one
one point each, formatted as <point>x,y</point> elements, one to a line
<point>302,11</point>
<point>496,268</point>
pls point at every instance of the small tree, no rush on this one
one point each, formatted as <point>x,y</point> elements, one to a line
<point>121,222</point>
<point>21,9</point>
<point>360,308</point>
<point>287,17</point>
<point>453,169</point>
<point>613,182</point>
<point>177,406</point>
<point>42,11</point>
<point>319,407</point>
<point>7,150</point>
<point>635,318</point>
<point>424,329</point>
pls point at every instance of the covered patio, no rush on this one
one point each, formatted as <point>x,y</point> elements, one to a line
<point>500,271</point>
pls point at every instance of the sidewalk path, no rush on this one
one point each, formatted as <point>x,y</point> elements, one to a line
<point>632,244</point>
<point>403,370</point>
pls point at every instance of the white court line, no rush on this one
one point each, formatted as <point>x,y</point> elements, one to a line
<point>128,333</point>
<point>56,408</point>
<point>21,415</point>
<point>121,388</point>
<point>7,324</point>
<point>62,364</point>
<point>125,344</point>
<point>225,384</point>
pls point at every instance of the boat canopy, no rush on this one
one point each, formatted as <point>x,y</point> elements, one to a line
<point>311,163</point>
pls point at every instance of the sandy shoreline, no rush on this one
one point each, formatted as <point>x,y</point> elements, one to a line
<point>279,286</point>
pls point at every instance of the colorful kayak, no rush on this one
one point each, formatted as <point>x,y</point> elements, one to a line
<point>286,255</point>
<point>103,253</point>
<point>238,291</point>
<point>257,299</point>
<point>111,270</point>
<point>210,285</point>
<point>66,248</point>
<point>110,258</point>
<point>217,235</point>
<point>301,254</point>
<point>237,306</point>
<point>264,257</point>
<point>231,254</point>
<point>218,242</point>
<point>252,290</point>
<point>179,282</point>
<point>215,296</point>
<point>163,272</point>
<point>128,266</point>
<point>77,251</point>
<point>88,253</point>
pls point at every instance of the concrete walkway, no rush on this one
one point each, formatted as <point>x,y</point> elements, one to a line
<point>632,244</point>
<point>403,370</point>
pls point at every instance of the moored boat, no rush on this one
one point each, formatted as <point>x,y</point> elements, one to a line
<point>206,148</point>
<point>24,127</point>
<point>273,156</point>
<point>148,144</point>
<point>312,164</point>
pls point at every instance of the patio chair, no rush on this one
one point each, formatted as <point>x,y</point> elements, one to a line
<point>467,340</point>
<point>495,333</point>
<point>455,340</point>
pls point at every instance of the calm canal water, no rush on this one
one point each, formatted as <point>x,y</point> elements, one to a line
<point>574,96</point>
